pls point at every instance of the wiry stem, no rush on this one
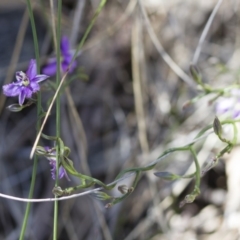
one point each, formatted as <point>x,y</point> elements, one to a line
<point>58,113</point>
<point>35,162</point>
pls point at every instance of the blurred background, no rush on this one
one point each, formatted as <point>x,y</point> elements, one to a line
<point>124,108</point>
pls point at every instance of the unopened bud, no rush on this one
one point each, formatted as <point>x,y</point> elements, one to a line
<point>212,163</point>
<point>188,199</point>
<point>15,107</point>
<point>166,176</point>
<point>217,127</point>
<point>123,189</point>
<point>195,74</point>
<point>102,196</point>
<point>40,150</point>
<point>57,191</point>
<point>108,205</point>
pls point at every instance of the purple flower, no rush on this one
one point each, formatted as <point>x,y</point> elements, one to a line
<point>67,56</point>
<point>52,161</point>
<point>26,84</point>
<point>229,106</point>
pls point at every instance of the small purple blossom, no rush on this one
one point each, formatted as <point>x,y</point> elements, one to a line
<point>26,84</point>
<point>52,161</point>
<point>229,106</point>
<point>67,56</point>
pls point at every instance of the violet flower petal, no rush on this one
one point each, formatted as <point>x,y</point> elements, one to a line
<point>50,69</point>
<point>11,90</point>
<point>47,148</point>
<point>34,86</point>
<point>21,97</point>
<point>32,69</point>
<point>53,169</point>
<point>236,114</point>
<point>28,92</point>
<point>224,105</point>
<point>61,172</point>
<point>40,78</point>
<point>67,56</point>
<point>65,65</point>
<point>236,110</point>
<point>20,76</point>
<point>64,46</point>
<point>52,161</point>
<point>26,85</point>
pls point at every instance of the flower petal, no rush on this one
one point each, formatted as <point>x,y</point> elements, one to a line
<point>47,148</point>
<point>236,114</point>
<point>224,104</point>
<point>21,97</point>
<point>65,64</point>
<point>28,92</point>
<point>64,46</point>
<point>40,78</point>
<point>50,69</point>
<point>62,172</point>
<point>11,90</point>
<point>20,76</point>
<point>32,69</point>
<point>236,110</point>
<point>53,170</point>
<point>34,86</point>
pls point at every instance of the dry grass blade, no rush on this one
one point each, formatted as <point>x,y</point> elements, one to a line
<point>205,31</point>
<point>47,115</point>
<point>138,74</point>
<point>114,27</point>
<point>76,20</point>
<point>162,52</point>
<point>78,133</point>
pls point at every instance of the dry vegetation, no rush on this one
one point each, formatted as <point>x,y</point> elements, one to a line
<point>128,111</point>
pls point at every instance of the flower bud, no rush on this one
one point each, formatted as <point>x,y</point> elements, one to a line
<point>40,150</point>
<point>195,74</point>
<point>15,107</point>
<point>57,191</point>
<point>102,196</point>
<point>123,189</point>
<point>167,176</point>
<point>212,163</point>
<point>188,199</point>
<point>217,127</point>
<point>108,205</point>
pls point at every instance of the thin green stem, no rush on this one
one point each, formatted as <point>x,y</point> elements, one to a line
<point>198,170</point>
<point>235,134</point>
<point>27,211</point>
<point>101,5</point>
<point>89,28</point>
<point>35,161</point>
<point>58,113</point>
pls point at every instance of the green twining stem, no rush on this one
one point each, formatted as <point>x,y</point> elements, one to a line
<point>89,28</point>
<point>58,114</point>
<point>198,170</point>
<point>39,111</point>
<point>89,181</point>
<point>152,165</point>
<point>119,199</point>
